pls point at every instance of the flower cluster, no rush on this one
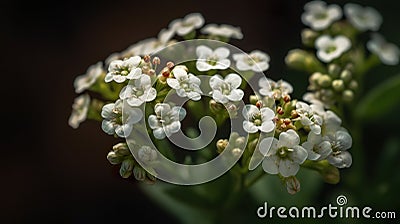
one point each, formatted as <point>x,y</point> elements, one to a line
<point>285,133</point>
<point>343,59</point>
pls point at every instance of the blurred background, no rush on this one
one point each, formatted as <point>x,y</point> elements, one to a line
<point>52,173</point>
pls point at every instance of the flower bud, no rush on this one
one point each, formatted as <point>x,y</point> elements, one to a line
<point>170,64</point>
<point>236,152</point>
<point>353,85</point>
<point>139,173</point>
<point>314,78</point>
<point>286,98</point>
<point>253,99</point>
<point>303,60</point>
<point>334,70</point>
<point>330,174</point>
<point>240,142</point>
<point>146,58</point>
<point>216,107</point>
<point>338,85</point>
<point>156,61</point>
<point>221,145</point>
<point>121,149</point>
<point>346,76</point>
<point>126,168</point>
<point>292,185</point>
<point>308,37</point>
<point>347,95</point>
<point>324,81</point>
<point>113,158</point>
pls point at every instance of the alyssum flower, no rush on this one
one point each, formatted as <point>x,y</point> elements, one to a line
<point>138,92</point>
<point>363,18</point>
<point>212,59</point>
<point>256,61</point>
<point>79,110</point>
<point>226,89</point>
<point>166,120</point>
<point>273,89</point>
<point>223,30</point>
<point>84,82</point>
<point>186,25</point>
<point>318,15</point>
<point>186,85</point>
<point>121,70</point>
<point>258,119</point>
<point>329,48</point>
<point>388,53</point>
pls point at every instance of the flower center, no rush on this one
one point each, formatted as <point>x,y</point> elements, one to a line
<point>212,60</point>
<point>283,152</point>
<point>330,49</point>
<point>124,72</point>
<point>320,15</point>
<point>225,89</point>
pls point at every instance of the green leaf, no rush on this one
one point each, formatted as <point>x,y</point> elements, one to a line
<point>380,100</point>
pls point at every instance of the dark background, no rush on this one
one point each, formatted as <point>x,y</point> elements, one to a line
<point>50,172</point>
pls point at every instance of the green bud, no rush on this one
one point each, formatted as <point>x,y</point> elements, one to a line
<point>349,67</point>
<point>308,37</point>
<point>347,95</point>
<point>240,142</point>
<point>292,185</point>
<point>253,99</point>
<point>314,78</point>
<point>303,61</point>
<point>330,174</point>
<point>139,173</point>
<point>334,70</point>
<point>338,85</point>
<point>353,85</point>
<point>121,149</point>
<point>126,168</point>
<point>113,158</point>
<point>346,76</point>
<point>236,152</point>
<point>324,81</point>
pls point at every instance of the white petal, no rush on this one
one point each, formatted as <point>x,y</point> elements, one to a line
<point>135,115</point>
<point>203,66</point>
<point>249,110</point>
<point>203,51</point>
<point>222,64</point>
<point>344,139</point>
<point>194,96</point>
<point>109,77</point>
<point>267,126</point>
<point>315,128</point>
<point>288,168</point>
<point>135,74</point>
<point>172,128</point>
<point>249,127</point>
<point>235,95</point>
<point>216,81</point>
<point>234,80</point>
<point>134,101</point>
<point>288,139</point>
<point>179,73</point>
<point>218,97</point>
<point>267,114</point>
<point>107,111</point>
<point>108,127</point>
<point>299,155</point>
<point>269,165</point>
<point>243,66</point>
<point>159,133</point>
<point>153,122</point>
<point>119,78</point>
<point>173,83</point>
<point>221,52</point>
<point>267,145</point>
<point>150,94</point>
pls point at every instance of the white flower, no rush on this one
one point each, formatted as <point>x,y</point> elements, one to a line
<point>273,89</point>
<point>152,45</point>
<point>139,92</point>
<point>363,18</point>
<point>186,85</point>
<point>112,123</point>
<point>225,90</point>
<point>167,120</point>
<point>84,82</point>
<point>332,123</point>
<point>121,70</point>
<point>258,119</point>
<point>79,110</point>
<point>317,147</point>
<point>329,48</point>
<point>309,116</point>
<point>284,156</point>
<point>209,59</point>
<point>257,61</point>
<point>318,15</point>
<point>147,154</point>
<point>388,53</point>
<point>341,141</point>
<point>223,30</point>
<point>188,24</point>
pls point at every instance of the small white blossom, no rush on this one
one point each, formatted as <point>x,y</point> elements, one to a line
<point>212,59</point>
<point>152,45</point>
<point>225,90</point>
<point>283,156</point>
<point>257,61</point>
<point>121,70</point>
<point>79,110</point>
<point>341,141</point>
<point>258,119</point>
<point>388,53</point>
<point>147,154</point>
<point>317,147</point>
<point>309,117</point>
<point>139,92</point>
<point>84,82</point>
<point>186,85</point>
<point>273,89</point>
<point>223,30</point>
<point>112,123</point>
<point>318,15</point>
<point>363,18</point>
<point>329,48</point>
<point>167,120</point>
<point>188,24</point>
